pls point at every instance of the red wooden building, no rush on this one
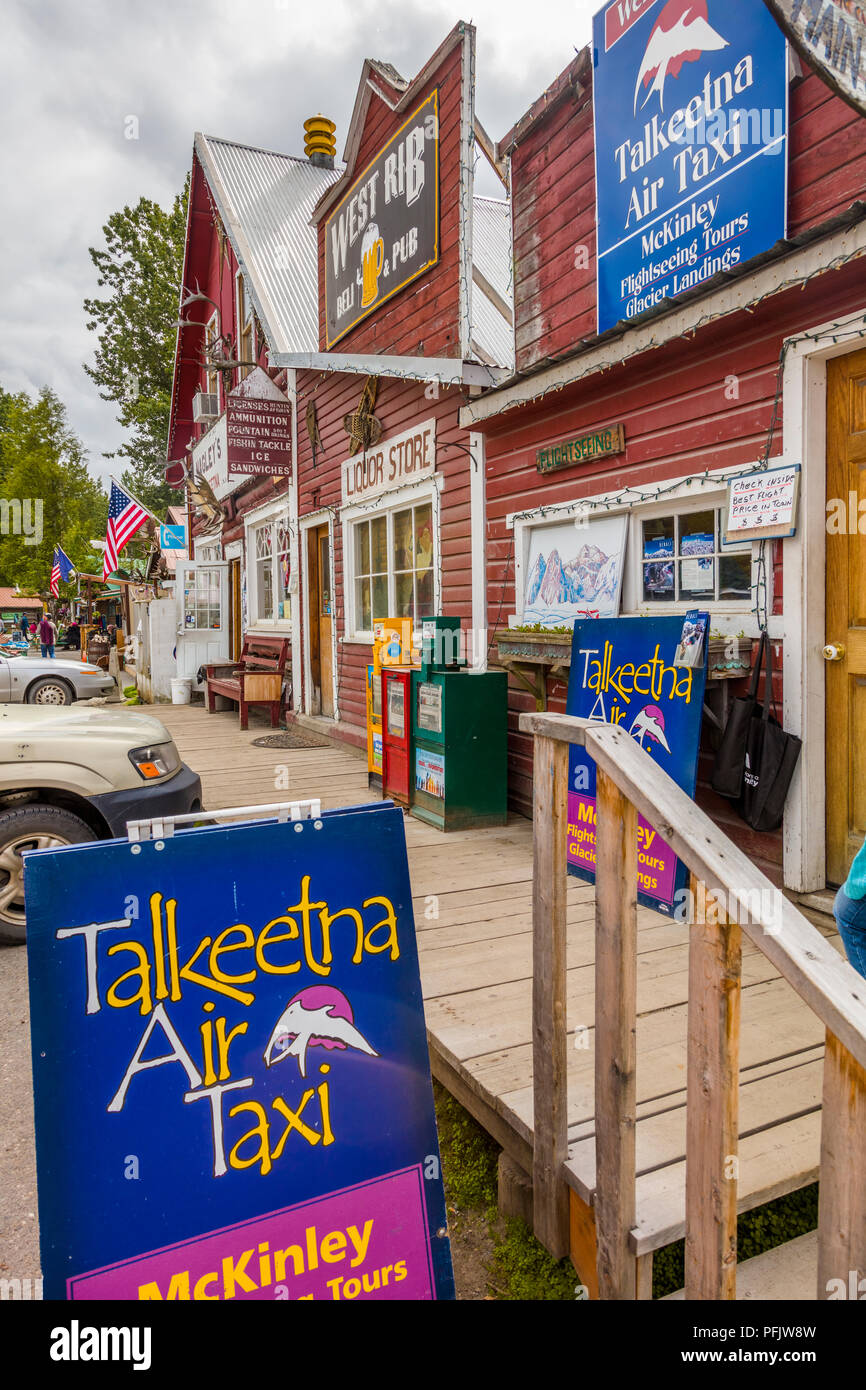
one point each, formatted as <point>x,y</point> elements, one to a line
<point>769,363</point>
<point>382,293</point>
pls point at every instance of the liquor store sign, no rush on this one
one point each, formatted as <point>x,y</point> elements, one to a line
<point>384,232</point>
<point>404,458</point>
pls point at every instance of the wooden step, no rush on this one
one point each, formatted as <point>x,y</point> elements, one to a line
<point>788,1273</point>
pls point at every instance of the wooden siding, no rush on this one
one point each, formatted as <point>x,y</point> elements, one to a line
<point>423,320</point>
<point>678,422</point>
<point>399,406</point>
<point>553,183</point>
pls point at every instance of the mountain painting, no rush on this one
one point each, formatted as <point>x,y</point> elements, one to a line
<point>574,573</point>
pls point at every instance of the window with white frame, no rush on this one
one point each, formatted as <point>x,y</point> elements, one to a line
<point>246,329</point>
<point>671,553</point>
<point>393,574</point>
<point>682,559</point>
<point>212,376</point>
<point>269,552</point>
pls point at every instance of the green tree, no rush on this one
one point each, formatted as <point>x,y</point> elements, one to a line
<point>47,496</point>
<point>141,268</point>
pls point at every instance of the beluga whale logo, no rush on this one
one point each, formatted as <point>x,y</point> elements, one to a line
<point>650,724</point>
<point>319,1016</point>
<point>681,34</point>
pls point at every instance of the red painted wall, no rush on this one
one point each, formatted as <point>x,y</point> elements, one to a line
<point>213,267</point>
<point>423,320</point>
<point>553,187</point>
<point>678,422</point>
<point>399,405</point>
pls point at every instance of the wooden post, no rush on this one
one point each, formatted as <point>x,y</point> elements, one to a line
<point>712,1100</point>
<point>550,1215</point>
<point>842,1200</point>
<point>615,1022</point>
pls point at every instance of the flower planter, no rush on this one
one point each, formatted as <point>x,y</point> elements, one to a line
<point>531,656</point>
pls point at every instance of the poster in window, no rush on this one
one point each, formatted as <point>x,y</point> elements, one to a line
<point>575,572</point>
<point>696,575</point>
<point>659,572</point>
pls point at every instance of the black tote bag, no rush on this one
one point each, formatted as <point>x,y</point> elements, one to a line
<point>730,761</point>
<point>770,759</point>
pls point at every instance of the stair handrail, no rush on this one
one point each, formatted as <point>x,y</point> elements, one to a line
<point>629,783</point>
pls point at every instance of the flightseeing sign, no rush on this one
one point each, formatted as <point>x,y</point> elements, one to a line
<point>691,121</point>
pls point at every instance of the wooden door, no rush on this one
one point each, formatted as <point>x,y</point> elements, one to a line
<point>320,619</point>
<point>845,653</point>
<point>236,635</point>
<point>202,599</point>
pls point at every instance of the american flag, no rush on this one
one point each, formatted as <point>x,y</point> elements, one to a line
<point>124,518</point>
<point>60,569</point>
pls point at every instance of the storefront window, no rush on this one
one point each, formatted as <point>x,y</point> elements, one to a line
<point>393,558</point>
<point>413,561</point>
<point>272,569</point>
<point>371,572</point>
<point>683,561</point>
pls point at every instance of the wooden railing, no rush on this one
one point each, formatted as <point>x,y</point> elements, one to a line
<point>628,782</point>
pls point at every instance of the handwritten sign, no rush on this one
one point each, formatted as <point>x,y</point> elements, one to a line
<point>231,1076</point>
<point>623,673</point>
<point>763,505</point>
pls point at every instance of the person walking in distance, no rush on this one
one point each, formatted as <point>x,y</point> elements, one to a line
<point>47,636</point>
<point>25,629</point>
<point>849,910</point>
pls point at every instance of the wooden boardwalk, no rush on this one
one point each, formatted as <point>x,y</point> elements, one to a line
<point>472,895</point>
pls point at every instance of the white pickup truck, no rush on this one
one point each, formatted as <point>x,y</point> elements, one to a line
<point>68,775</point>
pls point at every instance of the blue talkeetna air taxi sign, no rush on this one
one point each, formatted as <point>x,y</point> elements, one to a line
<point>691,119</point>
<point>623,673</point>
<point>231,1075</point>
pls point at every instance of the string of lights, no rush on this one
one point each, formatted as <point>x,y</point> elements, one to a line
<point>795,282</point>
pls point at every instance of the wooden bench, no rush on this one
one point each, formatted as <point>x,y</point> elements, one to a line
<point>257,679</point>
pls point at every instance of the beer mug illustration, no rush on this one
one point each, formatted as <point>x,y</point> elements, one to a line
<point>372,259</point>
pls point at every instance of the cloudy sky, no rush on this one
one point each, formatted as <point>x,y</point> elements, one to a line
<point>248,70</point>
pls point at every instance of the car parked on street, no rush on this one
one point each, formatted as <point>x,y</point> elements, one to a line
<point>38,680</point>
<point>68,776</point>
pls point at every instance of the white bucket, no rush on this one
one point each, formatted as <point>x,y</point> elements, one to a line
<point>181,691</point>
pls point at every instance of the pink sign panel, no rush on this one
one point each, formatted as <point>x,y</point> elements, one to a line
<point>656,861</point>
<point>367,1242</point>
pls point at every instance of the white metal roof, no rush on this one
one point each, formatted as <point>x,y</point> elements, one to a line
<point>492,329</point>
<point>266,201</point>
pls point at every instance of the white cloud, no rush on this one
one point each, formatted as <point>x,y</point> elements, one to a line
<point>248,70</point>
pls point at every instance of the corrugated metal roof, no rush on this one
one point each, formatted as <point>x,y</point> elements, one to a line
<point>492,333</point>
<point>266,201</point>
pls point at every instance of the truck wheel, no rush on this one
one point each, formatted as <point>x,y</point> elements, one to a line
<point>49,690</point>
<point>24,828</point>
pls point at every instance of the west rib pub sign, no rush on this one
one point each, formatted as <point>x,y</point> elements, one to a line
<point>384,232</point>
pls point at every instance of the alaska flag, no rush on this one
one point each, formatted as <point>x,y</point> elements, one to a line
<point>62,568</point>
